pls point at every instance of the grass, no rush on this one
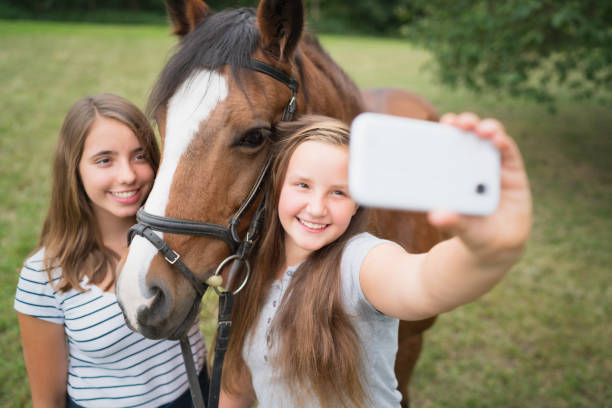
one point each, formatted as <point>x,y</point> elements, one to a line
<point>541,338</point>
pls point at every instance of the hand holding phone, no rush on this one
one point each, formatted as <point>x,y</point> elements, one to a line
<point>409,164</point>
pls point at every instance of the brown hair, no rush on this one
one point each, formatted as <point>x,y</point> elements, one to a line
<point>317,342</point>
<point>70,234</point>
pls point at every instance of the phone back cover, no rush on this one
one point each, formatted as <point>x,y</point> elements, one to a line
<point>401,163</point>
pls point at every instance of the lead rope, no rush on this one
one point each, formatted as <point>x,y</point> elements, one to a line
<point>226,301</point>
<point>194,383</point>
<point>224,325</point>
<point>224,321</point>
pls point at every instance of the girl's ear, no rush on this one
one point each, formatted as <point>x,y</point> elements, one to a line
<point>356,208</point>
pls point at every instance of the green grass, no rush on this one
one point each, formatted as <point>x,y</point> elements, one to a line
<point>541,338</point>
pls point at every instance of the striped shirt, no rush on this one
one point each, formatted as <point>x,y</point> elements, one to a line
<point>109,364</point>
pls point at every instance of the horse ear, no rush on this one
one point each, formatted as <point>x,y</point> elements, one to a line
<point>280,23</point>
<point>185,15</point>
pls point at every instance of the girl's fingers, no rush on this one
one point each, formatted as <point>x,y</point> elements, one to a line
<point>493,130</point>
<point>471,121</point>
<point>449,119</point>
<point>510,154</point>
<point>489,128</point>
<point>468,121</point>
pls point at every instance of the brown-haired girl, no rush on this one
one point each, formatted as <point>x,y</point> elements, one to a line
<point>103,170</point>
<point>317,325</point>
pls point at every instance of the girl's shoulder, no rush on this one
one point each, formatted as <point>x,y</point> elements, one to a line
<point>353,255</point>
<point>35,264</point>
<point>360,244</point>
<point>363,237</point>
<point>36,259</point>
<point>355,251</point>
<point>35,294</point>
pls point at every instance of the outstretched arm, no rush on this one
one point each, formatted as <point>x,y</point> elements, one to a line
<point>458,270</point>
<point>44,350</point>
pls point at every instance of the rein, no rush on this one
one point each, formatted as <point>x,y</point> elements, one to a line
<point>240,250</point>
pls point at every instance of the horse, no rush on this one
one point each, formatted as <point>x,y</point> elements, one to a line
<point>234,75</point>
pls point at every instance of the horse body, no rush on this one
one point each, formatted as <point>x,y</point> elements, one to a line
<point>215,119</point>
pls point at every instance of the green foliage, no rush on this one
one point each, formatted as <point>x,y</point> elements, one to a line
<point>107,11</point>
<point>524,47</point>
<point>363,16</point>
<point>40,6</point>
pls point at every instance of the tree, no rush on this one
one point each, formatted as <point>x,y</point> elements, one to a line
<point>523,47</point>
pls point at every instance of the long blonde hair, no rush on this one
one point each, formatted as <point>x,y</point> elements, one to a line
<point>70,234</point>
<point>318,346</point>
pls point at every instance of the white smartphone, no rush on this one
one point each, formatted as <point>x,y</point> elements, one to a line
<point>408,164</point>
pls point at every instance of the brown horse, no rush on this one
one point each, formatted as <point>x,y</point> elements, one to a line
<point>215,118</point>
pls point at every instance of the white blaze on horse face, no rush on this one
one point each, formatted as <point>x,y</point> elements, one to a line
<point>192,104</point>
<point>131,290</point>
<point>187,109</point>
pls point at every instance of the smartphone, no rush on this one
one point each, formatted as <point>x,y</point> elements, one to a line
<point>408,164</point>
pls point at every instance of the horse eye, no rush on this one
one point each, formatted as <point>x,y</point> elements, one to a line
<point>254,137</point>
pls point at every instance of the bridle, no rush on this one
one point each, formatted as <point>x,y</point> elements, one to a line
<point>240,250</point>
<point>148,223</point>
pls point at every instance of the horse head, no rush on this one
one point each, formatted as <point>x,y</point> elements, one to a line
<point>216,116</point>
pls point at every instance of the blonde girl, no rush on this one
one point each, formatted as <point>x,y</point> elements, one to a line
<point>317,325</point>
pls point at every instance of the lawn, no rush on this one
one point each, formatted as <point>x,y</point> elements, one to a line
<point>542,338</point>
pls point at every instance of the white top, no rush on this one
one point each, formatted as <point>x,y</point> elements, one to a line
<point>109,364</point>
<point>377,333</point>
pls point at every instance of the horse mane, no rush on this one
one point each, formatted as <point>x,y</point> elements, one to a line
<point>230,37</point>
<point>321,59</point>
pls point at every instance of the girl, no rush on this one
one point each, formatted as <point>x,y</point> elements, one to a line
<point>325,299</point>
<point>103,170</point>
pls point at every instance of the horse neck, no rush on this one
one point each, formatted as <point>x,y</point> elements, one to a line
<point>328,90</point>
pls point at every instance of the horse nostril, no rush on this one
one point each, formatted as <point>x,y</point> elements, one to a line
<point>155,291</point>
<point>160,308</point>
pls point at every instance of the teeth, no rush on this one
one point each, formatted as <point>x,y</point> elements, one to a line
<point>313,226</point>
<point>125,194</point>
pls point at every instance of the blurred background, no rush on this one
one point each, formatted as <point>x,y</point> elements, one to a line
<point>543,337</point>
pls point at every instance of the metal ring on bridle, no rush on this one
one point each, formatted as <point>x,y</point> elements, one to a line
<point>222,265</point>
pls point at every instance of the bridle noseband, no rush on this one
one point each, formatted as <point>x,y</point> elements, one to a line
<point>148,223</point>
<point>240,249</point>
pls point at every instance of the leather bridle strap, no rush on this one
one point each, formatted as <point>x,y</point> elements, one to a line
<point>280,76</point>
<point>169,254</point>
<point>194,384</point>
<point>186,227</point>
<point>171,225</point>
<point>235,221</point>
<point>224,326</point>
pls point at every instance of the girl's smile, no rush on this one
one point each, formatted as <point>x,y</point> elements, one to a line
<point>126,197</point>
<point>315,227</point>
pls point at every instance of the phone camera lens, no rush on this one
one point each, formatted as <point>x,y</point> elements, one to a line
<point>481,188</point>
